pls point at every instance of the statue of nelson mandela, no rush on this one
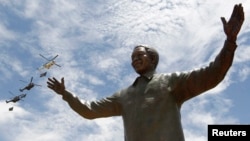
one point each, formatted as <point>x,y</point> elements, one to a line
<point>150,106</point>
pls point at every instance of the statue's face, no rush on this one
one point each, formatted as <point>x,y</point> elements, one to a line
<point>141,62</point>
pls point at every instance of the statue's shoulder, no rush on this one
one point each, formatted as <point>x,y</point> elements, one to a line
<point>163,75</point>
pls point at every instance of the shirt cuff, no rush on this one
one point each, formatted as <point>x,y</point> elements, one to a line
<point>67,95</point>
<point>230,46</point>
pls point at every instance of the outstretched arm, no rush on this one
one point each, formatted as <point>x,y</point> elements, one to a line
<point>197,81</point>
<point>90,110</point>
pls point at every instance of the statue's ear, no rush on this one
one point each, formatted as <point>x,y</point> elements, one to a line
<point>153,59</point>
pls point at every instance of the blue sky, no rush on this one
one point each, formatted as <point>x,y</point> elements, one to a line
<point>94,40</point>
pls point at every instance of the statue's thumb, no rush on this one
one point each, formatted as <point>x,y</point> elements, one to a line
<point>223,20</point>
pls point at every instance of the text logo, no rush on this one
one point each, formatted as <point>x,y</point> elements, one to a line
<point>236,132</point>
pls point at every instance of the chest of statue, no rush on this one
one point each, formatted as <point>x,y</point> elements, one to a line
<point>148,96</point>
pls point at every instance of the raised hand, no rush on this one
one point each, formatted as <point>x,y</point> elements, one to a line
<point>56,86</point>
<point>233,26</point>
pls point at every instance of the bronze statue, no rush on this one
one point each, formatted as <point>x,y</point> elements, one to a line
<point>150,107</point>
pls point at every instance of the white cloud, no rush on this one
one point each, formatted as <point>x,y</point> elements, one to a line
<point>9,117</point>
<point>244,73</point>
<point>108,129</point>
<point>6,34</point>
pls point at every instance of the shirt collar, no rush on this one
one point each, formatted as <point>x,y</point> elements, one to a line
<point>149,75</point>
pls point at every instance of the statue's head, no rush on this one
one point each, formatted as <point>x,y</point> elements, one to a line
<point>144,59</point>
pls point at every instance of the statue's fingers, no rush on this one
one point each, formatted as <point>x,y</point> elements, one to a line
<point>62,80</point>
<point>224,22</point>
<point>241,14</point>
<point>50,80</point>
<point>50,85</point>
<point>56,81</point>
<point>235,11</point>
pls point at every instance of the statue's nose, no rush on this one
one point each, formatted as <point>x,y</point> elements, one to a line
<point>135,58</point>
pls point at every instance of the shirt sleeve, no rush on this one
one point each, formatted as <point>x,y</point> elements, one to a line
<point>189,84</point>
<point>95,109</point>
